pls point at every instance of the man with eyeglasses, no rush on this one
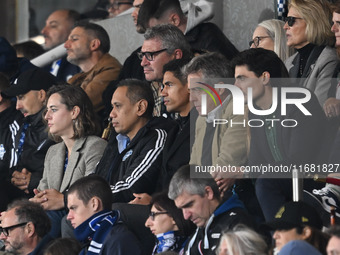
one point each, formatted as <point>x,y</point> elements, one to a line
<point>24,228</point>
<point>162,44</point>
<point>116,7</point>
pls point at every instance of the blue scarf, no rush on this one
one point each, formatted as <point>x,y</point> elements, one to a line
<point>94,230</point>
<point>169,241</point>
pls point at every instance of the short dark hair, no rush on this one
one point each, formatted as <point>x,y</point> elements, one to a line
<point>138,90</point>
<point>334,231</point>
<point>210,65</point>
<point>98,32</point>
<point>86,123</point>
<point>27,211</point>
<point>260,60</point>
<point>171,38</point>
<point>73,16</point>
<point>157,9</point>
<point>92,186</point>
<point>162,202</point>
<point>176,67</point>
<point>29,49</point>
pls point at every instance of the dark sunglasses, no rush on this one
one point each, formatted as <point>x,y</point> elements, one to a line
<point>291,20</point>
<point>6,230</point>
<point>152,215</point>
<point>149,55</point>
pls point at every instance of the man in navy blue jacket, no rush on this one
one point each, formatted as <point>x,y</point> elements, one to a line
<point>199,198</point>
<point>95,224</point>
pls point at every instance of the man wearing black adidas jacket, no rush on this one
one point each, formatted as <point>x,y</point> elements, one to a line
<point>132,160</point>
<point>10,121</point>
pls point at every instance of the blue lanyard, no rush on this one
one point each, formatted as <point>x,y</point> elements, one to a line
<point>22,139</point>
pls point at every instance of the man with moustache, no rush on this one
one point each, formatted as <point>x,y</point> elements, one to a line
<point>31,141</point>
<point>87,47</point>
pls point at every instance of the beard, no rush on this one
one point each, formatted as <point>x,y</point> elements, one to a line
<point>14,247</point>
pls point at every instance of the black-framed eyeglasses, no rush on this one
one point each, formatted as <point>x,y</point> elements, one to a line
<point>152,215</point>
<point>6,230</point>
<point>256,40</point>
<point>149,55</point>
<point>116,5</point>
<point>291,20</point>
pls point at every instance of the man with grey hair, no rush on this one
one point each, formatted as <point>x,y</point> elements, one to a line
<point>222,145</point>
<point>162,44</point>
<point>199,199</point>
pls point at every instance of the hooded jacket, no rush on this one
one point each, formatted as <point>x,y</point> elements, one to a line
<point>206,239</point>
<point>203,35</point>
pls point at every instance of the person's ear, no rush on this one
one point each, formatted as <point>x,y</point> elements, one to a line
<point>266,78</point>
<point>75,112</point>
<point>306,233</point>
<point>94,44</point>
<point>209,192</point>
<point>42,95</point>
<point>220,91</point>
<point>174,19</point>
<point>142,106</point>
<point>30,229</point>
<point>178,53</point>
<point>96,204</point>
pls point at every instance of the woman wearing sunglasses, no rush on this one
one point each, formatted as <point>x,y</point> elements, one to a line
<point>308,30</point>
<point>167,223</point>
<point>270,35</point>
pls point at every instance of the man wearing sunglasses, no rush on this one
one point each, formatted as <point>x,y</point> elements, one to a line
<point>24,228</point>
